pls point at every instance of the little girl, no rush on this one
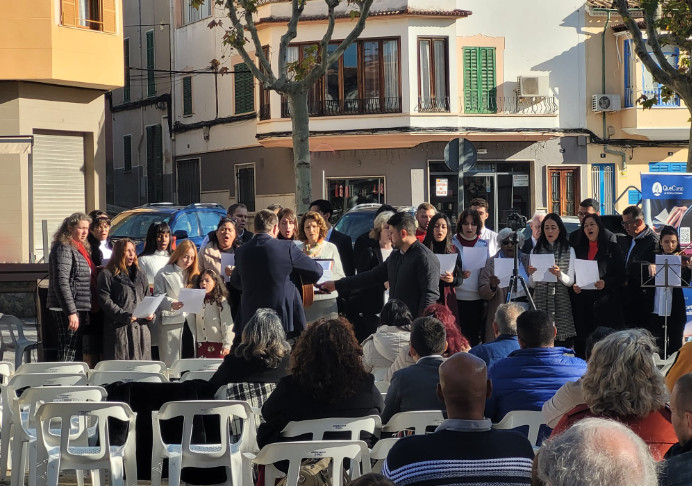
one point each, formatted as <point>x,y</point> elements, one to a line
<point>214,323</point>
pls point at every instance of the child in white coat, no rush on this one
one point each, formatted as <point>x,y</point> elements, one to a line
<point>214,323</point>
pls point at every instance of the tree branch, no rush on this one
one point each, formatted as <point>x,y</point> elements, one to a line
<point>297,7</point>
<point>653,41</point>
<point>331,16</point>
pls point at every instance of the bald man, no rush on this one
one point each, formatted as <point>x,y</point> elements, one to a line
<point>464,449</point>
<point>677,467</point>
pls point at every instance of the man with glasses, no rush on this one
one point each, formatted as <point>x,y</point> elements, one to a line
<point>638,301</point>
<point>588,206</point>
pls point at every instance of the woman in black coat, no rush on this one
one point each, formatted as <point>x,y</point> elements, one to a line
<point>592,308</point>
<point>121,286</point>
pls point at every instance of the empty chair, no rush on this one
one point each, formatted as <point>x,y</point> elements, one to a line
<point>6,371</point>
<point>12,337</point>
<point>295,452</point>
<point>131,365</point>
<point>379,453</point>
<point>418,420</point>
<point>382,386</point>
<point>187,454</point>
<point>197,375</point>
<point>54,367</point>
<point>180,366</point>
<point>521,418</point>
<point>18,382</point>
<point>56,451</point>
<point>101,378</point>
<point>317,428</point>
<point>24,437</point>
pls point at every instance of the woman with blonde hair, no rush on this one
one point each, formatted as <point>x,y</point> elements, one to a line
<point>72,275</point>
<point>180,272</point>
<point>623,383</point>
<point>121,285</point>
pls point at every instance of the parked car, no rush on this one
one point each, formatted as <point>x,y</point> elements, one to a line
<point>193,221</point>
<point>361,217</point>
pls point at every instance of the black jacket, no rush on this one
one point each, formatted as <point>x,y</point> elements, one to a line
<point>414,388</point>
<point>639,301</point>
<point>369,300</point>
<point>70,279</point>
<point>345,246</point>
<point>235,369</point>
<point>413,277</point>
<point>246,236</point>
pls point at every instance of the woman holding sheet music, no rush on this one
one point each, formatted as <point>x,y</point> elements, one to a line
<point>552,281</point>
<point>600,305</point>
<point>121,286</point>
<point>670,301</point>
<point>312,233</point>
<point>439,239</point>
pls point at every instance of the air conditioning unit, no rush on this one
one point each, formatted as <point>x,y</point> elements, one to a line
<point>533,86</point>
<point>605,102</point>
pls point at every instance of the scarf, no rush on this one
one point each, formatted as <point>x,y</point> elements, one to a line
<point>313,251</point>
<point>466,242</point>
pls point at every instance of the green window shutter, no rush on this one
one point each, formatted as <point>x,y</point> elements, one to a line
<point>151,80</point>
<point>126,89</point>
<point>244,89</point>
<point>187,95</point>
<point>480,87</point>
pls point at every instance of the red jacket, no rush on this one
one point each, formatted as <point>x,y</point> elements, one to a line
<point>420,234</point>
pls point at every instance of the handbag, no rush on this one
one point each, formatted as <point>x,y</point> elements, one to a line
<point>313,472</point>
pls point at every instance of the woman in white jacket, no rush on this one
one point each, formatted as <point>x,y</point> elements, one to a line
<point>181,272</point>
<point>380,350</point>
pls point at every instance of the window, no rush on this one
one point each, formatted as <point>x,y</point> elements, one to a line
<point>649,86</point>
<point>563,191</point>
<point>667,166</point>
<point>187,96</point>
<point>244,83</point>
<point>89,14</point>
<point>151,75</point>
<point>264,94</point>
<point>246,185</point>
<point>346,193</point>
<point>192,14</point>
<point>479,80</point>
<point>366,79</point>
<point>127,153</point>
<point>126,88</point>
<point>154,163</point>
<point>187,222</point>
<point>433,92</point>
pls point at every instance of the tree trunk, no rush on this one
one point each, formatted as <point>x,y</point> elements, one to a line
<point>300,122</point>
<point>689,147</point>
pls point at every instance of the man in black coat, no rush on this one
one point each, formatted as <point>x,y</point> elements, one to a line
<point>638,301</point>
<point>412,270</point>
<point>238,211</point>
<point>342,241</point>
<point>263,268</point>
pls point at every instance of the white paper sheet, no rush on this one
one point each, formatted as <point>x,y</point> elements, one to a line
<point>447,262</point>
<point>227,259</point>
<point>327,270</point>
<point>474,258</point>
<point>586,273</point>
<point>674,262</point>
<point>192,299</point>
<point>503,268</point>
<point>543,262</point>
<point>148,306</point>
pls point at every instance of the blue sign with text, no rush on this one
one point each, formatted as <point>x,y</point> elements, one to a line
<point>666,186</point>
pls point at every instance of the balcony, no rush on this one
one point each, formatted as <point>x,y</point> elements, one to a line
<point>508,105</point>
<point>633,94</point>
<point>433,105</point>
<point>366,106</point>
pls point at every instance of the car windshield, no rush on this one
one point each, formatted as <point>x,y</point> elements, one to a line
<point>135,225</point>
<point>356,223</point>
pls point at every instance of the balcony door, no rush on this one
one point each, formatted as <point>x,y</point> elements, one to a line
<point>563,193</point>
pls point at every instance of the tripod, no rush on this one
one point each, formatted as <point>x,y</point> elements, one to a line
<point>516,279</point>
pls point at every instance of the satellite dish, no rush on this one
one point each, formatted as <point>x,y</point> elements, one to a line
<point>460,155</point>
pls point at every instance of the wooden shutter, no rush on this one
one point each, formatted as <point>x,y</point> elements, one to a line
<point>471,80</point>
<point>154,164</point>
<point>127,153</point>
<point>126,88</point>
<point>244,89</point>
<point>109,22</point>
<point>68,12</point>
<point>486,74</point>
<point>479,80</point>
<point>151,80</point>
<point>187,95</point>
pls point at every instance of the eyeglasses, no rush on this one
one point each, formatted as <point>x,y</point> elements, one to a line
<point>632,222</point>
<point>582,214</point>
<point>506,242</point>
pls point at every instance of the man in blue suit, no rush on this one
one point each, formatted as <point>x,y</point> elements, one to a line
<point>263,268</point>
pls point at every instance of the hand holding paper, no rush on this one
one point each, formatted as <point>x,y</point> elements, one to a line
<point>147,306</point>
<point>543,263</point>
<point>447,262</point>
<point>586,273</point>
<point>192,299</point>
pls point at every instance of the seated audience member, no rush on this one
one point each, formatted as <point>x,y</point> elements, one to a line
<point>622,383</point>
<point>571,393</point>
<point>596,452</point>
<point>681,366</point>
<point>327,379</point>
<point>259,360</point>
<point>413,388</point>
<point>464,449</point>
<point>531,375</point>
<point>505,329</point>
<point>381,348</point>
<point>371,479</point>
<point>677,467</point>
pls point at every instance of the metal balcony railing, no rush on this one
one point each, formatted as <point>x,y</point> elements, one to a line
<point>632,95</point>
<point>366,106</point>
<point>433,104</point>
<point>264,112</point>
<point>509,105</point>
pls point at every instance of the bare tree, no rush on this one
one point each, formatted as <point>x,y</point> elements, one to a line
<point>291,79</point>
<point>668,23</point>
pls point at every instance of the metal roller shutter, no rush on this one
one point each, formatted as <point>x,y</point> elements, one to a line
<point>58,183</point>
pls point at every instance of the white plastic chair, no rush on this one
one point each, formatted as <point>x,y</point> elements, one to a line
<point>6,371</point>
<point>379,453</point>
<point>14,327</point>
<point>24,439</point>
<point>180,366</point>
<point>55,452</point>
<point>382,386</point>
<point>417,420</point>
<point>187,454</point>
<point>9,394</point>
<point>53,367</point>
<point>101,378</point>
<point>319,427</point>
<point>197,375</point>
<point>519,418</point>
<point>295,452</point>
<point>131,365</point>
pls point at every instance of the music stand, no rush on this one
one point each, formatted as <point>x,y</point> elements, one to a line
<point>670,273</point>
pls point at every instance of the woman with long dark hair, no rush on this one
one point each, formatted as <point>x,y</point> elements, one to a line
<point>157,250</point>
<point>601,306</point>
<point>553,297</point>
<point>100,251</point>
